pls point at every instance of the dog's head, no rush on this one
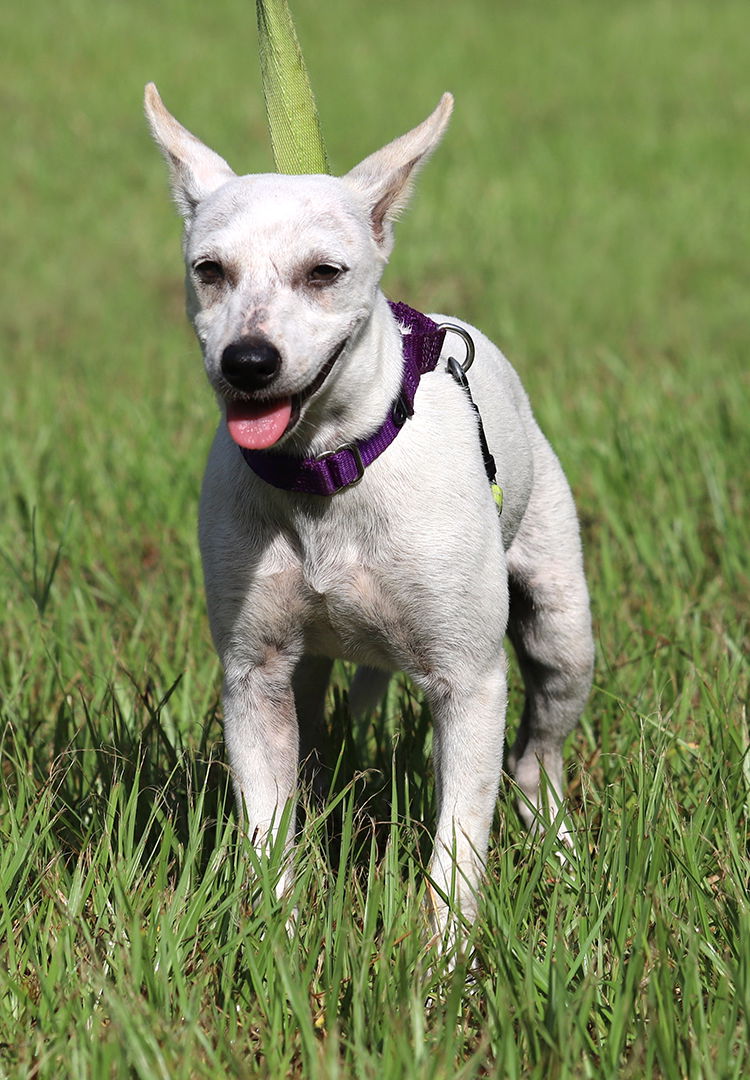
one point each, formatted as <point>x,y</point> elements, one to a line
<point>283,271</point>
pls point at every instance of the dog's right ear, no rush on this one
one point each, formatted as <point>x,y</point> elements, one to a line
<point>384,179</point>
<point>194,170</point>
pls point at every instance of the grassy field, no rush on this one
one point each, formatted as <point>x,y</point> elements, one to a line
<point>588,210</point>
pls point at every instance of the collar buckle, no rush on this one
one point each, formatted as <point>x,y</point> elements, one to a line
<point>358,463</point>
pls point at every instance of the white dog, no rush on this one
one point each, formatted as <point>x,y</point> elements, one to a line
<point>347,510</point>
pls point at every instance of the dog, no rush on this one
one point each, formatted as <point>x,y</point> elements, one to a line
<point>397,560</point>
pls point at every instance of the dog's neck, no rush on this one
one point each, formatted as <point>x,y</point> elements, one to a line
<point>360,390</point>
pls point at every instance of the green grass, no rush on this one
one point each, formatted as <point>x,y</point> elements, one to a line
<point>588,209</point>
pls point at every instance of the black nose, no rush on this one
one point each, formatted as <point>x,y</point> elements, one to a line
<point>250,363</point>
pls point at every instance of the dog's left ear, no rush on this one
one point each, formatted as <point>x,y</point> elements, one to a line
<point>195,170</point>
<point>385,178</point>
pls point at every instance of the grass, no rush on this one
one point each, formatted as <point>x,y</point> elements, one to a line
<point>588,210</point>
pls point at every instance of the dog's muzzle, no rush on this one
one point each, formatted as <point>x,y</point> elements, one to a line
<point>256,419</point>
<point>250,364</point>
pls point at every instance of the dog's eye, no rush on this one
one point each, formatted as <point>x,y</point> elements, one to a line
<point>209,272</point>
<point>325,274</point>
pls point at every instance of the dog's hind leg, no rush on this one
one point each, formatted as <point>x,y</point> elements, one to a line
<point>368,688</point>
<point>550,628</point>
<point>310,683</point>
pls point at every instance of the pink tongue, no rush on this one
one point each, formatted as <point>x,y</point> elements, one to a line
<point>256,426</point>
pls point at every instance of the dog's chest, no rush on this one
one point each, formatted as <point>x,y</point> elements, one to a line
<point>355,606</point>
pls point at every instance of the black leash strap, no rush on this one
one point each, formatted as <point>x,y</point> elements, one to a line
<point>457,372</point>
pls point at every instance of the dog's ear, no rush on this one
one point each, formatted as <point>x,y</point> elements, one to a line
<point>385,178</point>
<point>194,170</point>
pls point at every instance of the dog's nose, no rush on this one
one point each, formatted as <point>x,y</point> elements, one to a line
<point>250,363</point>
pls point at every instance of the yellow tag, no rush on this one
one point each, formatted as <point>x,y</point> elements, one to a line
<point>497,495</point>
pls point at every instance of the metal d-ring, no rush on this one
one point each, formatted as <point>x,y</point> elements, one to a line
<point>467,340</point>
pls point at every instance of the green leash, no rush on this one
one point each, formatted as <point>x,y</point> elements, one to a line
<point>296,136</point>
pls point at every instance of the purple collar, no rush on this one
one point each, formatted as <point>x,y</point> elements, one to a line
<point>345,466</point>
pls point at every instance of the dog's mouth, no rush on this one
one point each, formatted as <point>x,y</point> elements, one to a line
<point>258,424</point>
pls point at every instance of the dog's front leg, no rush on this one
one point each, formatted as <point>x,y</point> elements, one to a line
<point>469,722</point>
<point>262,740</point>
